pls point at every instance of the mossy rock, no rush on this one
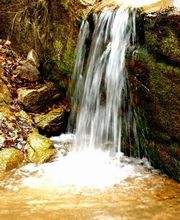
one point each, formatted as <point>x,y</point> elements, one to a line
<point>162,37</point>
<point>166,158</point>
<point>157,85</point>
<point>162,93</point>
<point>10,158</point>
<point>40,148</point>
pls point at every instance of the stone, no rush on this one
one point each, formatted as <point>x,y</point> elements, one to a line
<point>5,95</point>
<point>41,149</point>
<point>24,116</point>
<point>53,122</point>
<point>32,58</point>
<point>36,99</point>
<point>27,71</point>
<point>10,158</point>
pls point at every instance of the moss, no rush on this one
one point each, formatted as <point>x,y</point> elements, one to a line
<point>170,46</point>
<point>151,40</point>
<point>164,98</point>
<point>167,45</point>
<point>161,36</point>
<point>63,56</point>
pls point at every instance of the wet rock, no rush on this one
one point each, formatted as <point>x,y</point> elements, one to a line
<point>10,158</point>
<point>40,148</point>
<point>166,158</point>
<point>27,71</point>
<point>32,58</point>
<point>36,99</point>
<point>53,122</point>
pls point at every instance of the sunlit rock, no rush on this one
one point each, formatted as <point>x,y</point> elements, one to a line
<point>36,99</point>
<point>40,148</point>
<point>5,95</point>
<point>10,158</point>
<point>55,121</point>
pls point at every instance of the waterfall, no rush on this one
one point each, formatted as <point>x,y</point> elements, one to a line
<point>100,79</point>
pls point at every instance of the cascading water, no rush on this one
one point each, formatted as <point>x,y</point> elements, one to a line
<point>100,81</point>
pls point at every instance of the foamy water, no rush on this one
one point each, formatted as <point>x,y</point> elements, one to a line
<point>85,169</point>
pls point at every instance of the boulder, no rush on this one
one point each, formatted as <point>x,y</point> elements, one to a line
<point>36,99</point>
<point>10,158</point>
<point>53,122</point>
<point>27,71</point>
<point>41,149</point>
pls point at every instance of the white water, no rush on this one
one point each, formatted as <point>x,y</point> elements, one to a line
<point>177,4</point>
<point>92,169</point>
<point>100,83</point>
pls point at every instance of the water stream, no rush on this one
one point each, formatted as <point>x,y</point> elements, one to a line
<point>100,82</point>
<point>95,181</point>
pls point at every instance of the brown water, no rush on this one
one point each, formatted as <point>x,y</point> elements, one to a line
<point>153,197</point>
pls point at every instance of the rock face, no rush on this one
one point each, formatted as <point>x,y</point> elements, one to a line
<point>40,148</point>
<point>53,122</point>
<point>36,99</point>
<point>155,72</point>
<point>10,158</point>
